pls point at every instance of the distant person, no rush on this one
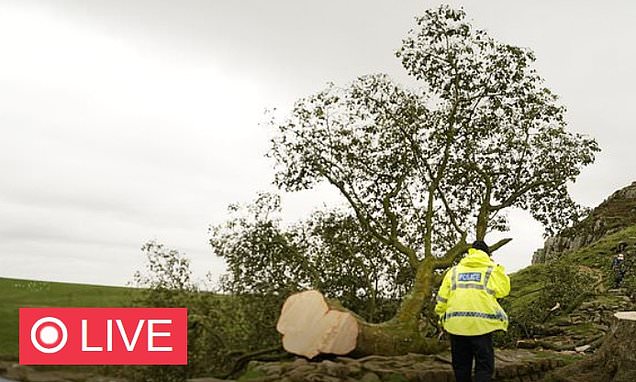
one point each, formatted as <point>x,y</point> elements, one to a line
<point>469,311</point>
<point>619,267</point>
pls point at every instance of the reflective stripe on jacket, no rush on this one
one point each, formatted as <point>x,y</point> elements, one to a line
<point>467,300</point>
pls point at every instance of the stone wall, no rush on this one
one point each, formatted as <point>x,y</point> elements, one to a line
<point>511,365</point>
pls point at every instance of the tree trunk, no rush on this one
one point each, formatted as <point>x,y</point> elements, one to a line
<point>312,325</point>
<point>615,361</point>
<point>412,304</point>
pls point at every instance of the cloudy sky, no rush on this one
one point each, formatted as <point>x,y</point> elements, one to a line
<point>124,121</point>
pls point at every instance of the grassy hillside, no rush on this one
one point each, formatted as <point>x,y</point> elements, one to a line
<point>581,283</point>
<point>597,256</point>
<point>16,294</point>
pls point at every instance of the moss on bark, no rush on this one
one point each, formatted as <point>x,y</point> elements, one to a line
<point>394,338</point>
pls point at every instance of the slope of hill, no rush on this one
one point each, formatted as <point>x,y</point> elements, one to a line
<point>566,300</point>
<point>16,294</point>
<point>615,213</point>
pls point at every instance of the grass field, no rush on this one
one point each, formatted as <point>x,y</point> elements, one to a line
<point>16,294</point>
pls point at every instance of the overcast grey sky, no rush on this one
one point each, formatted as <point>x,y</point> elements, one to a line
<point>124,121</point>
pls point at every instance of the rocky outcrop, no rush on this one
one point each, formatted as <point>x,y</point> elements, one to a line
<point>614,362</point>
<point>585,327</point>
<point>615,213</point>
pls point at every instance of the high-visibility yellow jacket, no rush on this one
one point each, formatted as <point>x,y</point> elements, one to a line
<point>467,300</point>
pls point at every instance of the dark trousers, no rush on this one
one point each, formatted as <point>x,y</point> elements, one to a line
<point>466,348</point>
<point>618,278</point>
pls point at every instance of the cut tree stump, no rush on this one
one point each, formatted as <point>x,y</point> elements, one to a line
<point>312,325</point>
<point>615,361</point>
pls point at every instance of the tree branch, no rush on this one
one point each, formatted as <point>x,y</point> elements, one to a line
<point>484,209</point>
<point>517,194</point>
<point>420,159</point>
<point>499,244</point>
<point>450,212</point>
<point>363,217</point>
<point>393,221</point>
<point>451,255</point>
<point>365,220</point>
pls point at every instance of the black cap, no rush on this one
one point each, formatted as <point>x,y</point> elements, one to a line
<point>482,246</point>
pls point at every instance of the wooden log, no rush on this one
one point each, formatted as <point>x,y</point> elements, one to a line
<point>312,325</point>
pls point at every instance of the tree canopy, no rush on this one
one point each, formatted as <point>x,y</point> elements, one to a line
<point>328,251</point>
<point>425,168</point>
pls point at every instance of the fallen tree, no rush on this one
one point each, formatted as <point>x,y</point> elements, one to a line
<point>423,170</point>
<point>312,325</point>
<point>421,176</point>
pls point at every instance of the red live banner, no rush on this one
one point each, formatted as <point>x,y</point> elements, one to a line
<point>103,336</point>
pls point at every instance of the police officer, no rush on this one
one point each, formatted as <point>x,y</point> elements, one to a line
<point>469,311</point>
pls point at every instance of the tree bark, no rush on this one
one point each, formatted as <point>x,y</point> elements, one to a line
<point>413,302</point>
